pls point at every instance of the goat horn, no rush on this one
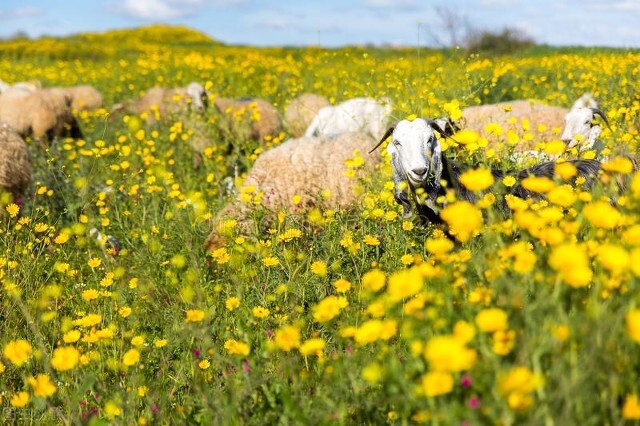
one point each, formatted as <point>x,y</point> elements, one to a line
<point>384,138</point>
<point>597,111</point>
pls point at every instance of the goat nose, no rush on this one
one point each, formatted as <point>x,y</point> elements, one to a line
<point>419,171</point>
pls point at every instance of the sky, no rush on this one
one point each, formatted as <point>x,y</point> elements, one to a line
<point>333,23</point>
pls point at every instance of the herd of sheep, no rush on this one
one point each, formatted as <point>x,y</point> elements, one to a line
<point>325,142</point>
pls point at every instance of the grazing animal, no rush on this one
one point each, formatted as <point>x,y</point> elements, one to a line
<point>304,168</point>
<point>264,120</point>
<point>44,114</point>
<point>418,163</point>
<point>83,97</point>
<point>355,115</point>
<point>15,164</point>
<point>158,102</point>
<point>300,112</point>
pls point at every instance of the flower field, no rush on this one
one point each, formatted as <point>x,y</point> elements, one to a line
<point>332,317</point>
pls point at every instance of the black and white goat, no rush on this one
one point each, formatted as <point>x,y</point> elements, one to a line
<point>419,165</point>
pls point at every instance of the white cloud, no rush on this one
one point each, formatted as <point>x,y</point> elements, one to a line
<point>160,9</point>
<point>20,12</point>
<point>498,3</point>
<point>396,4</point>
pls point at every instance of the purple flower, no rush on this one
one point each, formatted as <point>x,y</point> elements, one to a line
<point>245,366</point>
<point>196,352</point>
<point>154,408</point>
<point>466,381</point>
<point>474,402</point>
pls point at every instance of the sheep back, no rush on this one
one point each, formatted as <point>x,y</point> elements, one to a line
<point>301,111</point>
<point>477,117</point>
<point>301,167</point>
<point>15,164</point>
<point>269,122</point>
<point>84,97</point>
<point>43,114</point>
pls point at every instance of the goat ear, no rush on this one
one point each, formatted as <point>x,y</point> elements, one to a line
<point>599,112</point>
<point>384,137</point>
<point>444,126</point>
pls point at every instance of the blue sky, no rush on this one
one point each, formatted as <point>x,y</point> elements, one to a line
<point>335,22</point>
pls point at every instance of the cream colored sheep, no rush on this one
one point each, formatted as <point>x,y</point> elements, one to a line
<point>158,102</point>
<point>43,114</point>
<point>301,111</point>
<point>551,118</point>
<point>83,97</point>
<point>15,165</point>
<point>262,118</point>
<point>301,167</point>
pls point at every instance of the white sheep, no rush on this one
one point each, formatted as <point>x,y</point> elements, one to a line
<point>301,111</point>
<point>355,115</point>
<point>304,168</point>
<point>43,114</point>
<point>158,102</point>
<point>15,164</point>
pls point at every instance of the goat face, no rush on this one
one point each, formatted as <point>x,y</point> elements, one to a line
<point>580,129</point>
<point>416,152</point>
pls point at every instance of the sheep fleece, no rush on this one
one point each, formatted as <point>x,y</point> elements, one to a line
<point>15,165</point>
<point>301,111</point>
<point>304,167</point>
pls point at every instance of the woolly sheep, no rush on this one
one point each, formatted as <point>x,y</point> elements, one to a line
<point>15,165</point>
<point>264,119</point>
<point>304,167</point>
<point>355,115</point>
<point>300,112</point>
<point>552,117</point>
<point>158,102</point>
<point>418,163</point>
<point>44,114</point>
<point>83,97</point>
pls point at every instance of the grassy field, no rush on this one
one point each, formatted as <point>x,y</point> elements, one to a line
<point>339,317</point>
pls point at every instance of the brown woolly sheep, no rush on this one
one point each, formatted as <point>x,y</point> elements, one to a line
<point>158,102</point>
<point>15,165</point>
<point>263,118</point>
<point>301,111</point>
<point>44,114</point>
<point>551,117</point>
<point>301,167</point>
<point>83,97</point>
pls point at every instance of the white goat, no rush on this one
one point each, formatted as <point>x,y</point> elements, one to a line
<point>421,169</point>
<point>580,129</point>
<point>355,115</point>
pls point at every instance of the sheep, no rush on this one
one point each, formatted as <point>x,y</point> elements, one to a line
<point>26,86</point>
<point>44,114</point>
<point>551,117</point>
<point>358,114</point>
<point>4,86</point>
<point>264,119</point>
<point>83,97</point>
<point>299,167</point>
<point>15,164</point>
<point>158,102</point>
<point>300,112</point>
<point>418,164</point>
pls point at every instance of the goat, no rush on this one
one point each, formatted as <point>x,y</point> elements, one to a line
<point>580,128</point>
<point>418,164</point>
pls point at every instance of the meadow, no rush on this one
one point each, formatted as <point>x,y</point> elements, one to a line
<point>336,317</point>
